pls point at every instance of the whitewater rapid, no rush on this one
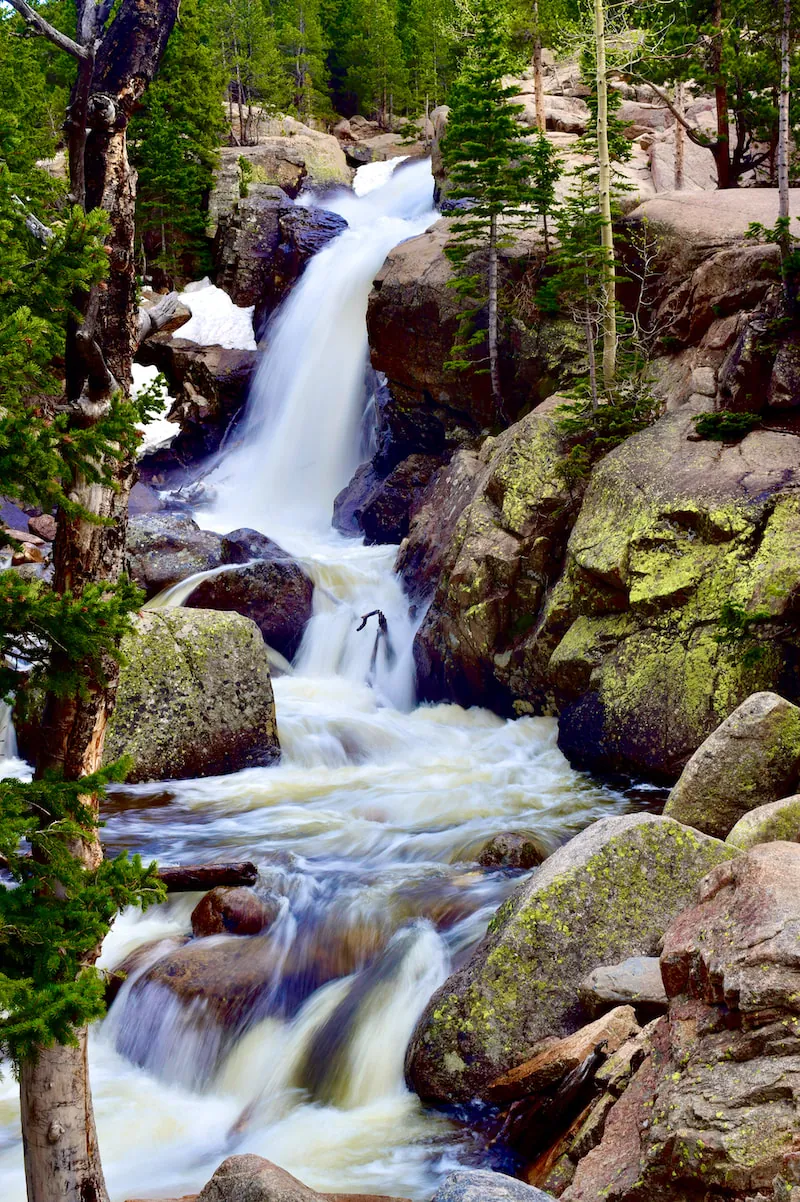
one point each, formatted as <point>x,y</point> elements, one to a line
<point>367,831</point>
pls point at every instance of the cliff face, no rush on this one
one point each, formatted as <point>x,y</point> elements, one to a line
<point>608,600</point>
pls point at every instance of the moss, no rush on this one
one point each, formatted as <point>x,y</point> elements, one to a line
<point>773,823</point>
<point>546,938</point>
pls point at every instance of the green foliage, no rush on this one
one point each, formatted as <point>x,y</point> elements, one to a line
<point>735,629</point>
<point>58,913</point>
<point>490,164</point>
<point>724,425</point>
<point>377,76</point>
<point>174,140</point>
<point>303,46</point>
<point>35,79</point>
<point>781,235</point>
<point>59,643</point>
<point>590,432</point>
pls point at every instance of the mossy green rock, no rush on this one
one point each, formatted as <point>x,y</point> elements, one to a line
<point>778,822</point>
<point>606,895</point>
<point>195,697</point>
<point>752,759</point>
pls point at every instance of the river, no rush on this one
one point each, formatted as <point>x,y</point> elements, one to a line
<point>367,831</point>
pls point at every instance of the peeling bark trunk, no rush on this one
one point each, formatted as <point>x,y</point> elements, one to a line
<point>62,1162</point>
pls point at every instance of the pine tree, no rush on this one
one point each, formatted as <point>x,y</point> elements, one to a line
<point>254,64</point>
<point>174,141</point>
<point>489,163</point>
<point>300,37</point>
<point>377,74</point>
<point>428,49</point>
<point>35,80</point>
<point>52,923</point>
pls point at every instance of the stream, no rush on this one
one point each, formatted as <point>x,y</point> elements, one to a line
<point>366,833</point>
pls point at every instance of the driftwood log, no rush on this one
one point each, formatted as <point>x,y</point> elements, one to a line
<point>187,878</point>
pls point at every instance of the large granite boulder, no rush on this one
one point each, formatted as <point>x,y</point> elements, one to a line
<point>484,1185</point>
<point>752,759</point>
<point>413,320</point>
<point>165,548</point>
<point>194,698</point>
<point>382,506</point>
<point>251,1178</point>
<point>287,155</point>
<point>712,1111</point>
<point>503,549</point>
<point>606,895</point>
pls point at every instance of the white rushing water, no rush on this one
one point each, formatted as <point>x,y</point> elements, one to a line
<point>366,834</point>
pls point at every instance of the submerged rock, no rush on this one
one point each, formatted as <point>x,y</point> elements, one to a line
<point>751,759</point>
<point>195,697</point>
<point>606,895</point>
<point>513,849</point>
<point>235,911</point>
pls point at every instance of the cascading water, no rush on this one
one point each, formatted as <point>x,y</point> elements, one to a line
<point>366,833</point>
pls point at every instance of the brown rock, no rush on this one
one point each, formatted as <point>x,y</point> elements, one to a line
<point>44,525</point>
<point>635,982</point>
<point>513,849</point>
<point>553,1063</point>
<point>254,1179</point>
<point>237,911</point>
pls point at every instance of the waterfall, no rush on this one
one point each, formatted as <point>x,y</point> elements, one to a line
<point>300,439</point>
<point>366,833</point>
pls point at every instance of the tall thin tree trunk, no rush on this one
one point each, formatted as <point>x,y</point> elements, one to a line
<point>680,136</point>
<point>721,148</point>
<point>538,75</point>
<point>604,189</point>
<point>592,361</point>
<point>62,1162</point>
<point>494,363</point>
<point>783,113</point>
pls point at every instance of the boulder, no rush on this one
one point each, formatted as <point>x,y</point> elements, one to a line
<point>784,384</point>
<point>779,821</point>
<point>483,1185</point>
<point>670,532</point>
<point>513,849</point>
<point>289,155</point>
<point>606,895</point>
<point>244,545</point>
<point>413,320</point>
<point>384,509</point>
<point>253,1179</point>
<point>635,982</point>
<point>210,385</point>
<point>235,911</point>
<point>165,548</point>
<point>263,244</point>
<point>753,758</point>
<point>647,116</point>
<point>44,525</point>
<point>712,1110</point>
<point>194,698</point>
<point>275,593</point>
<point>505,545</point>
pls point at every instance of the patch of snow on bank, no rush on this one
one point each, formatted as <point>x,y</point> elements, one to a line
<point>159,431</point>
<point>216,320</point>
<point>374,175</point>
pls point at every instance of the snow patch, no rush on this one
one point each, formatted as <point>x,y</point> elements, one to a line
<point>159,431</point>
<point>216,320</point>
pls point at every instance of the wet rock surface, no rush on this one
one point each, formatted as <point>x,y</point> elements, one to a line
<point>274,592</point>
<point>513,849</point>
<point>195,697</point>
<point>606,895</point>
<point>165,548</point>
<point>233,911</point>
